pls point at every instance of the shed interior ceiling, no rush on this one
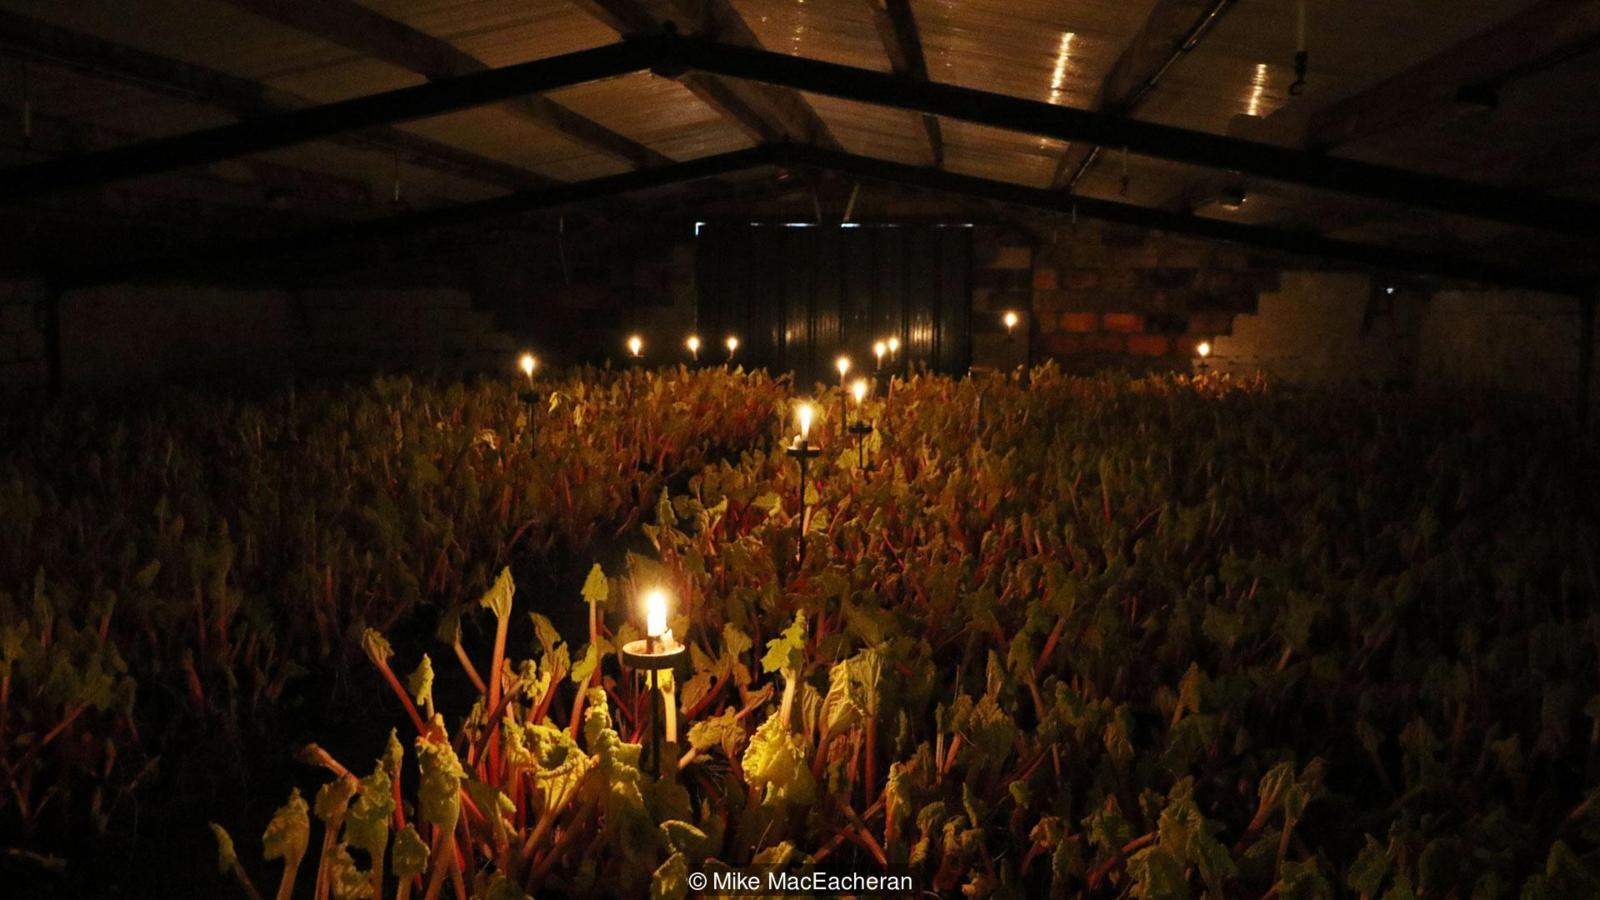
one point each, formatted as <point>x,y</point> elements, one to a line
<point>1234,81</point>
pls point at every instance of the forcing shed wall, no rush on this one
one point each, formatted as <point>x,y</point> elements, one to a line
<point>117,333</point>
<point>1105,296</point>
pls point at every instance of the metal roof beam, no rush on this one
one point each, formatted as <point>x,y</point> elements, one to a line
<point>242,97</point>
<point>1510,206</point>
<point>299,126</point>
<point>1462,76</point>
<point>365,31</point>
<point>902,42</point>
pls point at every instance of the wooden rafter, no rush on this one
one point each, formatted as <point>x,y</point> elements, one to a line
<point>1172,29</point>
<point>1471,71</point>
<point>897,28</point>
<point>239,96</point>
<point>764,113</point>
<point>357,28</point>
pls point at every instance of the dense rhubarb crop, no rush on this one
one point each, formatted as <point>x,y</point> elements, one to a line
<point>1080,637</point>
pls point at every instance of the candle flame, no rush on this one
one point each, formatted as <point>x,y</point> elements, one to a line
<point>879,349</point>
<point>1204,349</point>
<point>635,345</point>
<point>843,365</point>
<point>528,363</point>
<point>732,342</point>
<point>894,345</point>
<point>1011,319</point>
<point>803,413</point>
<point>693,343</point>
<point>655,612</point>
<point>859,389</point>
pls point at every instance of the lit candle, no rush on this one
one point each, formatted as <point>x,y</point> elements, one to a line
<point>1010,320</point>
<point>656,618</point>
<point>878,350</point>
<point>693,343</point>
<point>733,344</point>
<point>529,363</point>
<point>894,346</point>
<point>803,414</point>
<point>843,365</point>
<point>1204,349</point>
<point>635,345</point>
<point>859,390</point>
<point>655,612</point>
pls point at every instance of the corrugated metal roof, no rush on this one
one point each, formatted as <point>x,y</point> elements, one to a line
<point>1057,52</point>
<point>657,112</point>
<point>1235,81</point>
<point>839,31</point>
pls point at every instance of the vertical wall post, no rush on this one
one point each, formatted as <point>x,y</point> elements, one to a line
<point>51,301</point>
<point>1586,358</point>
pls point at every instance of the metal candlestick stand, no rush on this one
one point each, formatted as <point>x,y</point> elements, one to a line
<point>861,429</point>
<point>652,655</point>
<point>802,451</point>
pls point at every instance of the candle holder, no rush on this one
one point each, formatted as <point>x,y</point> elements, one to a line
<point>861,429</point>
<point>802,451</point>
<point>652,656</point>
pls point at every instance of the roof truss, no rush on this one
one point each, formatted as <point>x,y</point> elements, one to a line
<point>357,28</point>
<point>799,156</point>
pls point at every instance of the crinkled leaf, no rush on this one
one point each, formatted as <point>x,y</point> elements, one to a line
<point>498,597</point>
<point>288,832</point>
<point>410,855</point>
<point>421,682</point>
<point>787,651</point>
<point>440,790</point>
<point>226,857</point>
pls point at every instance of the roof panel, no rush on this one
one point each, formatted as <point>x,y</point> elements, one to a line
<point>872,130</point>
<point>1352,44</point>
<point>501,32</point>
<point>838,31</point>
<point>1056,52</point>
<point>494,132</point>
<point>199,31</point>
<point>1002,155</point>
<point>655,111</point>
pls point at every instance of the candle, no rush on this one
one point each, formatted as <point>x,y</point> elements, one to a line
<point>859,390</point>
<point>843,365</point>
<point>803,414</point>
<point>878,350</point>
<point>1011,320</point>
<point>733,344</point>
<point>655,614</point>
<point>693,343</point>
<point>1204,349</point>
<point>635,345</point>
<point>894,346</point>
<point>529,363</point>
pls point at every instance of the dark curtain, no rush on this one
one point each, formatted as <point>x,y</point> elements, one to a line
<point>798,296</point>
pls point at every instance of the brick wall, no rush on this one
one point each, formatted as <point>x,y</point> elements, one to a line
<point>1109,296</point>
<point>1324,327</point>
<point>22,362</point>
